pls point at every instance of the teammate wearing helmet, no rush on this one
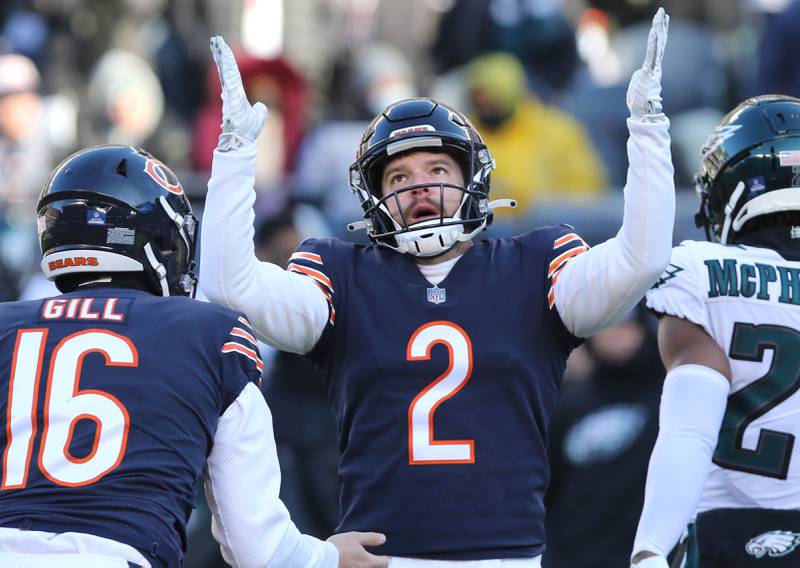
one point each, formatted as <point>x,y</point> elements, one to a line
<point>121,393</point>
<point>442,353</point>
<point>730,340</point>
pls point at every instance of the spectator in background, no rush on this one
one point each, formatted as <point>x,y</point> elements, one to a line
<point>378,74</point>
<point>276,83</point>
<point>126,101</point>
<point>602,433</point>
<point>34,133</point>
<point>535,32</point>
<point>778,65</point>
<point>540,150</point>
<point>695,82</point>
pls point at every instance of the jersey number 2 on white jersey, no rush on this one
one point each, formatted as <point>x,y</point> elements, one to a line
<point>774,450</point>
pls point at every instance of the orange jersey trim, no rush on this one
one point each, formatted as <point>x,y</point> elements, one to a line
<point>315,274</point>
<point>232,347</point>
<point>239,332</point>
<point>563,257</point>
<point>310,256</point>
<point>569,237</point>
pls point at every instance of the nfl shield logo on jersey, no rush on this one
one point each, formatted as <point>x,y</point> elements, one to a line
<point>437,295</point>
<point>772,543</point>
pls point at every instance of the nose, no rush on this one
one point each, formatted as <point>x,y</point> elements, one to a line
<point>421,179</point>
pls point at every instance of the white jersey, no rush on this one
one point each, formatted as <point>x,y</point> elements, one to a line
<point>748,300</point>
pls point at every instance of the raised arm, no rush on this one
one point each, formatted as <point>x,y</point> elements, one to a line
<point>597,288</point>
<point>287,310</point>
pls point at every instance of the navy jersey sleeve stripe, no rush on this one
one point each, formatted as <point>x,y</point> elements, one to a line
<point>565,247</point>
<point>307,256</point>
<point>241,333</point>
<point>244,321</point>
<point>242,340</point>
<point>252,354</point>
<point>317,275</point>
<point>299,263</point>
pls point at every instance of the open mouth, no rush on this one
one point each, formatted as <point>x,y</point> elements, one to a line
<point>423,213</point>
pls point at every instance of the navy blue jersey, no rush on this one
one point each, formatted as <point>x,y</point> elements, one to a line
<point>443,393</point>
<point>109,403</point>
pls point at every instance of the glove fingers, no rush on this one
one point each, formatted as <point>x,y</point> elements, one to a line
<point>662,40</point>
<point>216,55</point>
<point>656,40</point>
<point>238,117</point>
<point>229,75</point>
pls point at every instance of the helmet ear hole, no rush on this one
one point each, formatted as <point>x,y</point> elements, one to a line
<point>164,244</point>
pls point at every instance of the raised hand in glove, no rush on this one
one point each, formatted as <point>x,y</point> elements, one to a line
<point>644,90</point>
<point>238,116</point>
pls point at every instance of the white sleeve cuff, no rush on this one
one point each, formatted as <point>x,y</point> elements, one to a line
<point>693,403</point>
<point>297,550</point>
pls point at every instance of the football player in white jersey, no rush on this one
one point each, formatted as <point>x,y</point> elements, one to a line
<point>723,470</point>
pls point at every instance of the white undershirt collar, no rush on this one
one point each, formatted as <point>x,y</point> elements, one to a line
<point>435,273</point>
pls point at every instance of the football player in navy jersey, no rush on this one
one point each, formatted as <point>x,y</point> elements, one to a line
<point>119,395</point>
<point>442,353</point>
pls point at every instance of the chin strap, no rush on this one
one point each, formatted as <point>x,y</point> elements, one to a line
<point>729,209</point>
<point>159,269</point>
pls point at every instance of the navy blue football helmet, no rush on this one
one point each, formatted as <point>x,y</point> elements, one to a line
<point>751,167</point>
<point>117,209</point>
<point>422,124</point>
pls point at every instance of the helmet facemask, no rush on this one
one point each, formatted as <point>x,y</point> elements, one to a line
<point>422,125</point>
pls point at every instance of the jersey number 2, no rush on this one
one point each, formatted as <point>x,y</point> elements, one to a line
<point>422,448</point>
<point>771,456</point>
<point>64,405</point>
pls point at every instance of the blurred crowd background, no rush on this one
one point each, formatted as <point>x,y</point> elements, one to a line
<point>543,80</point>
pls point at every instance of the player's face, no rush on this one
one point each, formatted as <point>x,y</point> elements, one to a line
<point>425,202</point>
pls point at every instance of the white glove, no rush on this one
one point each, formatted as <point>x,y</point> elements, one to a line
<point>238,117</point>
<point>652,562</point>
<point>644,90</point>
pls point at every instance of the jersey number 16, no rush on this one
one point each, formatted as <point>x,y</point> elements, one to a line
<point>64,405</point>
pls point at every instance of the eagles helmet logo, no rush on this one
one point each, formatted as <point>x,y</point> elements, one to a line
<point>772,543</point>
<point>720,135</point>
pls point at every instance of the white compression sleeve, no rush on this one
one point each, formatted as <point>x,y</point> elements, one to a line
<point>597,288</point>
<point>242,482</point>
<point>693,403</point>
<point>287,310</point>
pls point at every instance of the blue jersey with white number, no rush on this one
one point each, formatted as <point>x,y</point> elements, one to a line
<point>109,401</point>
<point>443,393</point>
